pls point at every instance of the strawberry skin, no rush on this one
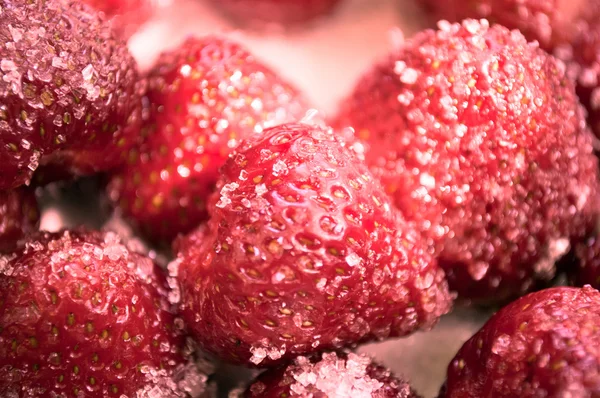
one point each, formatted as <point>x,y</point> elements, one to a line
<point>586,61</point>
<point>568,29</point>
<point>80,315</point>
<point>548,21</point>
<point>275,11</point>
<point>481,140</point>
<point>19,216</point>
<point>203,98</point>
<point>303,252</point>
<point>542,345</point>
<point>68,91</point>
<point>330,375</point>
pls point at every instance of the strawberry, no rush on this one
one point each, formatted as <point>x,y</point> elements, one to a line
<point>568,29</point>
<point>19,216</point>
<point>80,315</point>
<point>248,12</point>
<point>542,345</point>
<point>480,138</point>
<point>586,62</point>
<point>303,252</point>
<point>202,99</point>
<point>550,22</point>
<point>331,375</point>
<point>68,90</point>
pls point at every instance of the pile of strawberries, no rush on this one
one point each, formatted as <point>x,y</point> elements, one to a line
<point>461,168</point>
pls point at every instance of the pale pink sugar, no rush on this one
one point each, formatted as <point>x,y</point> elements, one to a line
<point>335,377</point>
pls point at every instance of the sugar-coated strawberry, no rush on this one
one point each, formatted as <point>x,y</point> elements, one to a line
<point>203,97</point>
<point>481,140</point>
<point>329,376</point>
<point>247,12</point>
<point>542,345</point>
<point>303,252</point>
<point>82,316</point>
<point>68,91</point>
<point>548,21</point>
<point>19,216</point>
<point>569,29</point>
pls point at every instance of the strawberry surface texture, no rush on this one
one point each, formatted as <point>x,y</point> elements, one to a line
<point>568,29</point>
<point>542,345</point>
<point>479,137</point>
<point>330,375</point>
<point>303,252</point>
<point>82,316</point>
<point>19,216</point>
<point>69,92</point>
<point>203,98</point>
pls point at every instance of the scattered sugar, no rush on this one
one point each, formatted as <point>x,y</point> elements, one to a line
<point>279,168</point>
<point>260,190</point>
<point>409,76</point>
<point>333,376</point>
<point>185,381</point>
<point>225,191</point>
<point>353,259</point>
<point>258,355</point>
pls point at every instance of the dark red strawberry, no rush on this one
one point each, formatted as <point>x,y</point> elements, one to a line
<point>303,252</point>
<point>19,216</point>
<point>202,99</point>
<point>80,315</point>
<point>247,12</point>
<point>331,375</point>
<point>542,345</point>
<point>586,62</point>
<point>68,90</point>
<point>480,138</point>
<point>548,21</point>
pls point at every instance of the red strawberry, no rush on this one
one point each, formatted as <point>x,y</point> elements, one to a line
<point>334,375</point>
<point>480,138</point>
<point>303,252</point>
<point>80,315</point>
<point>548,21</point>
<point>202,99</point>
<point>19,216</point>
<point>569,29</point>
<point>542,345</point>
<point>586,61</point>
<point>68,90</point>
<point>279,11</point>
